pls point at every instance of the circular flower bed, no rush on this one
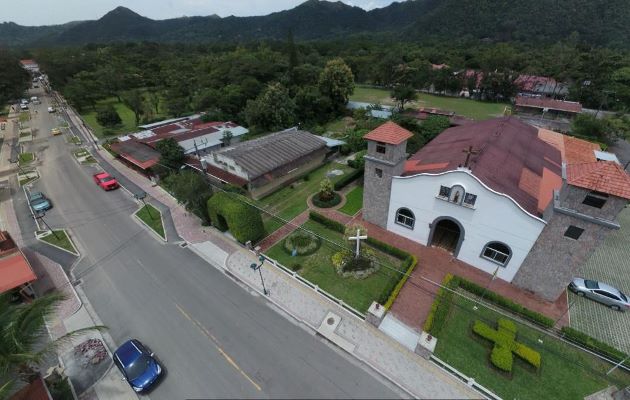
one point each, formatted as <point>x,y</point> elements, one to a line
<point>347,265</point>
<point>333,201</point>
<point>302,242</point>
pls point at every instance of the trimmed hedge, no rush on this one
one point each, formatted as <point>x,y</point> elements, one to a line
<point>345,180</point>
<point>303,242</point>
<point>501,301</point>
<point>595,345</point>
<point>501,357</point>
<point>336,199</point>
<point>386,248</point>
<point>410,264</point>
<point>528,355</point>
<point>441,306</point>
<point>231,211</point>
<point>327,222</point>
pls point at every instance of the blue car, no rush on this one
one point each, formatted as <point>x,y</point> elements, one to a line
<point>137,364</point>
<point>39,202</point>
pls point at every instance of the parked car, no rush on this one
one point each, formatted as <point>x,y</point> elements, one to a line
<point>105,180</point>
<point>601,292</point>
<point>137,364</point>
<point>55,131</point>
<point>51,109</point>
<point>39,202</point>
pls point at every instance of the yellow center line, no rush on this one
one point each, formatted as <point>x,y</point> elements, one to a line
<point>215,342</point>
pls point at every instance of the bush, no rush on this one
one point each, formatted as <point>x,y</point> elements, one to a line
<point>327,222</point>
<point>357,264</point>
<point>409,264</point>
<point>386,248</point>
<point>348,178</point>
<point>231,211</point>
<point>108,116</point>
<point>358,162</point>
<point>504,339</point>
<point>345,150</point>
<point>317,202</point>
<point>441,306</point>
<point>296,267</point>
<point>501,357</point>
<point>303,242</point>
<point>528,355</point>
<point>593,344</point>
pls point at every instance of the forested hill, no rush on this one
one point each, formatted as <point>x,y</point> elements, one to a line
<point>598,22</point>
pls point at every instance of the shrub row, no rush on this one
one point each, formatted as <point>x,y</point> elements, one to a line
<point>504,344</point>
<point>441,306</point>
<point>593,344</point>
<point>231,211</point>
<point>409,264</point>
<point>506,303</point>
<point>345,180</point>
<point>389,249</point>
<point>336,199</point>
<point>327,222</point>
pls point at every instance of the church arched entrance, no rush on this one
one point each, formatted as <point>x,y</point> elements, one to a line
<point>446,233</point>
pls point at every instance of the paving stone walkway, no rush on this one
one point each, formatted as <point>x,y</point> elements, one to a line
<point>283,231</point>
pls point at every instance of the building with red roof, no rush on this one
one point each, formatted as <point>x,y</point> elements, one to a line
<point>549,108</point>
<point>523,203</point>
<point>534,85</point>
<point>16,272</point>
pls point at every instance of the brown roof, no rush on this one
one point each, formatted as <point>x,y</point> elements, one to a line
<point>15,270</point>
<point>217,173</point>
<point>533,102</point>
<point>512,159</point>
<point>140,154</point>
<point>389,132</point>
<point>602,176</point>
<point>35,390</point>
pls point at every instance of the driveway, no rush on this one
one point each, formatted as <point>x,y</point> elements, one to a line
<point>610,263</point>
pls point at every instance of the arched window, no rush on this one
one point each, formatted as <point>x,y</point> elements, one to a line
<point>457,194</point>
<point>497,252</point>
<point>405,217</point>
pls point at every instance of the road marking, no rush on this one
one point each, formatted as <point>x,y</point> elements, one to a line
<point>215,342</point>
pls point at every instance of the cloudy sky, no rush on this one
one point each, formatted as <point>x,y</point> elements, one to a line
<point>50,12</point>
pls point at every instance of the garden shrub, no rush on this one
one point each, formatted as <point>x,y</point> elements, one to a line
<point>303,242</point>
<point>231,211</point>
<point>501,357</point>
<point>409,265</point>
<point>326,192</point>
<point>358,162</point>
<point>386,248</point>
<point>331,202</point>
<point>296,267</point>
<point>528,355</point>
<point>593,344</point>
<point>441,306</point>
<point>348,178</point>
<point>327,222</point>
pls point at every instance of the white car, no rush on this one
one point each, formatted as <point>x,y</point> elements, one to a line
<point>50,109</point>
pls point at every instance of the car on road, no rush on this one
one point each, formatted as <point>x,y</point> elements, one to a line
<point>600,292</point>
<point>39,202</point>
<point>137,364</point>
<point>51,109</point>
<point>55,131</point>
<point>105,180</point>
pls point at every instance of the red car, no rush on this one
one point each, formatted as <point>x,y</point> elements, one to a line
<point>105,180</point>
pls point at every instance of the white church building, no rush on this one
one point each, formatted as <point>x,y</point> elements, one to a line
<point>525,204</point>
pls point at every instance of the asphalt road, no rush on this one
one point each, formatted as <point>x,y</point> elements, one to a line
<point>215,338</point>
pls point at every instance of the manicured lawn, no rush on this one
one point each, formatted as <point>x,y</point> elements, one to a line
<point>75,140</point>
<point>61,239</point>
<point>151,216</point>
<point>126,115</point>
<point>354,201</point>
<point>25,158</point>
<point>288,203</point>
<point>25,180</point>
<point>318,269</point>
<point>565,372</point>
<point>84,153</point>
<point>25,116</point>
<point>478,110</point>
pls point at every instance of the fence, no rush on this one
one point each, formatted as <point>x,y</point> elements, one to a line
<point>316,288</point>
<point>469,381</point>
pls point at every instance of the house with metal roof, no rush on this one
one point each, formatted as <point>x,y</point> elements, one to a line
<point>265,164</point>
<point>525,204</point>
<point>16,273</point>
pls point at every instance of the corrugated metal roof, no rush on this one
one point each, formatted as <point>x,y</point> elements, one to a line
<point>259,156</point>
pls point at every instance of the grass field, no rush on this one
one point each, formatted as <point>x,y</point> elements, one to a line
<point>61,239</point>
<point>152,217</point>
<point>126,115</point>
<point>478,110</point>
<point>25,158</point>
<point>290,201</point>
<point>354,201</point>
<point>565,372</point>
<point>25,116</point>
<point>318,269</point>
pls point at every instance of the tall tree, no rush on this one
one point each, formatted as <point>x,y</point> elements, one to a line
<point>272,110</point>
<point>171,153</point>
<point>337,82</point>
<point>404,94</point>
<point>192,190</point>
<point>134,100</point>
<point>14,80</point>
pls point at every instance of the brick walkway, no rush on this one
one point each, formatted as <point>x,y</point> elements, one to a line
<point>284,231</point>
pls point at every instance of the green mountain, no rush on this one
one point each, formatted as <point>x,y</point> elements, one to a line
<point>599,22</point>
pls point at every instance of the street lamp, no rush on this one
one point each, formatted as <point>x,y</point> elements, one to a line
<point>40,215</point>
<point>256,267</point>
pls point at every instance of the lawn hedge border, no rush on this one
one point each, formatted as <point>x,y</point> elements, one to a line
<point>604,349</point>
<point>327,222</point>
<point>410,264</point>
<point>437,315</point>
<point>345,180</point>
<point>336,199</point>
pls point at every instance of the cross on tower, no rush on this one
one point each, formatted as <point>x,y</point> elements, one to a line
<point>469,152</point>
<point>358,238</point>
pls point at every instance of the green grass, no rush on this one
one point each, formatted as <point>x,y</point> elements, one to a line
<point>126,115</point>
<point>318,269</point>
<point>151,216</point>
<point>61,239</point>
<point>288,203</point>
<point>565,373</point>
<point>75,140</point>
<point>478,110</point>
<point>354,201</point>
<point>25,134</point>
<point>25,181</point>
<point>25,116</point>
<point>25,158</point>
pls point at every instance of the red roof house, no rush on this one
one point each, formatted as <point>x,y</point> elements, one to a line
<point>390,133</point>
<point>15,270</point>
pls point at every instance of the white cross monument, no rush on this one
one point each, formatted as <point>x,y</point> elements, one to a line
<point>358,238</point>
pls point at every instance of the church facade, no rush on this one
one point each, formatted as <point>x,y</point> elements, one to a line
<point>525,204</point>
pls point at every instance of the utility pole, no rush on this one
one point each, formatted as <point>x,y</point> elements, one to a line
<point>40,216</point>
<point>141,196</point>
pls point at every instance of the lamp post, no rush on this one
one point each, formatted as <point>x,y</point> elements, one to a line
<point>256,267</point>
<point>40,215</point>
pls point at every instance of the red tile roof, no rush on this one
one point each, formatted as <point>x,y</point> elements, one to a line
<point>559,105</point>
<point>532,83</point>
<point>512,159</point>
<point>15,270</point>
<point>389,132</point>
<point>602,176</point>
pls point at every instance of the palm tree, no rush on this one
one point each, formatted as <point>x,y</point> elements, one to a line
<point>24,340</point>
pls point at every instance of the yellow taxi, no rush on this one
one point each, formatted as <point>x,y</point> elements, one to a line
<point>55,131</point>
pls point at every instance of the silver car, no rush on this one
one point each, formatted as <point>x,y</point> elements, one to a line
<point>601,292</point>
